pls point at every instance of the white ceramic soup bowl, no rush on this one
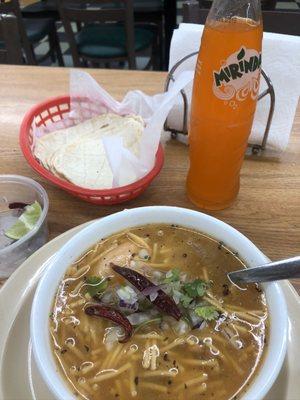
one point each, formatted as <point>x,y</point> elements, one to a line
<point>72,250</point>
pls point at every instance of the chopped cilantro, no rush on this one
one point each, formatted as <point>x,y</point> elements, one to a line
<point>208,313</point>
<point>172,276</point>
<point>186,300</point>
<point>93,280</point>
<point>96,285</point>
<point>145,305</point>
<point>197,288</point>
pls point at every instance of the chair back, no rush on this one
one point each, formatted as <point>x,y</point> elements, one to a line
<point>265,4</point>
<point>13,7</point>
<point>192,13</point>
<point>286,22</point>
<point>11,53</point>
<point>98,11</point>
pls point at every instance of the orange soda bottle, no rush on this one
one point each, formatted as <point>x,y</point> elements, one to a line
<point>225,91</point>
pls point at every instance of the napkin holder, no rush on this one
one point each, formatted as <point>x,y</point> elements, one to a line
<point>256,148</point>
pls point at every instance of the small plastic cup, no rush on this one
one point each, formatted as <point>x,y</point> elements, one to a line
<point>19,189</point>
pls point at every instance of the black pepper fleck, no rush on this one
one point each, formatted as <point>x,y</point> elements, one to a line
<point>258,288</point>
<point>220,245</point>
<point>226,290</point>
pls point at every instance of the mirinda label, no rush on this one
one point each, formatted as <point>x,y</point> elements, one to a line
<point>238,76</point>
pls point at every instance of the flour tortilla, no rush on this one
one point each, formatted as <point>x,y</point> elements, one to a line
<point>61,151</point>
<point>53,141</point>
<point>85,164</point>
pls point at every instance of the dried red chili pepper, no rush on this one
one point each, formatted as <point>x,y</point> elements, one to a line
<point>97,310</point>
<point>20,205</point>
<point>163,302</point>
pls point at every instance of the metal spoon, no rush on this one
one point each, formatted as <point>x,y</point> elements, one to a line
<point>274,271</point>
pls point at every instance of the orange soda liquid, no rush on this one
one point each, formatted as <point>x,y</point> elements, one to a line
<point>224,98</point>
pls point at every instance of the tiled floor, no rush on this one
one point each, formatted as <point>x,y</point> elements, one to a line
<point>141,61</point>
<point>288,5</point>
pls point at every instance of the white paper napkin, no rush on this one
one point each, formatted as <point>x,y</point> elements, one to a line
<point>281,62</point>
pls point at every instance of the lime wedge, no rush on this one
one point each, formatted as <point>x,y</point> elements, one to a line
<point>26,222</point>
<point>31,215</point>
<point>17,231</point>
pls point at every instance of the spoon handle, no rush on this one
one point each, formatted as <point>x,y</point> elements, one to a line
<point>274,271</point>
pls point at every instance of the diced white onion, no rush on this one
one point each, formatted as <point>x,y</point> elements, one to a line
<point>195,318</point>
<point>176,296</point>
<point>183,277</point>
<point>107,297</point>
<point>144,254</point>
<point>138,318</point>
<point>169,274</point>
<point>112,335</point>
<point>153,296</point>
<point>127,294</point>
<point>157,274</point>
<point>164,325</point>
<point>181,327</point>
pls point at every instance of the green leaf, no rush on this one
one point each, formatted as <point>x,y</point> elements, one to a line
<point>96,285</point>
<point>208,313</point>
<point>185,300</point>
<point>145,305</point>
<point>93,280</point>
<point>197,288</point>
<point>172,276</point>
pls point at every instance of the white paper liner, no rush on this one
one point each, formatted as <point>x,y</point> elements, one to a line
<point>89,99</point>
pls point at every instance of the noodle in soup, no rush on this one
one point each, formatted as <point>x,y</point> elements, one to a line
<point>150,312</point>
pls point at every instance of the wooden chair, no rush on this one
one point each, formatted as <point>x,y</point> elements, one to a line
<point>151,14</point>
<point>32,32</point>
<point>286,22</point>
<point>11,49</point>
<point>107,34</point>
<point>41,9</point>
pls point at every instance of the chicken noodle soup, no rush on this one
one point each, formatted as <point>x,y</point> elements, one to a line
<point>150,312</point>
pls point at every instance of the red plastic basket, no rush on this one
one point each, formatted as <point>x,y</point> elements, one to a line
<point>53,110</point>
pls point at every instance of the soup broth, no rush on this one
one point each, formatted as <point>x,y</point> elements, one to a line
<point>150,312</point>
